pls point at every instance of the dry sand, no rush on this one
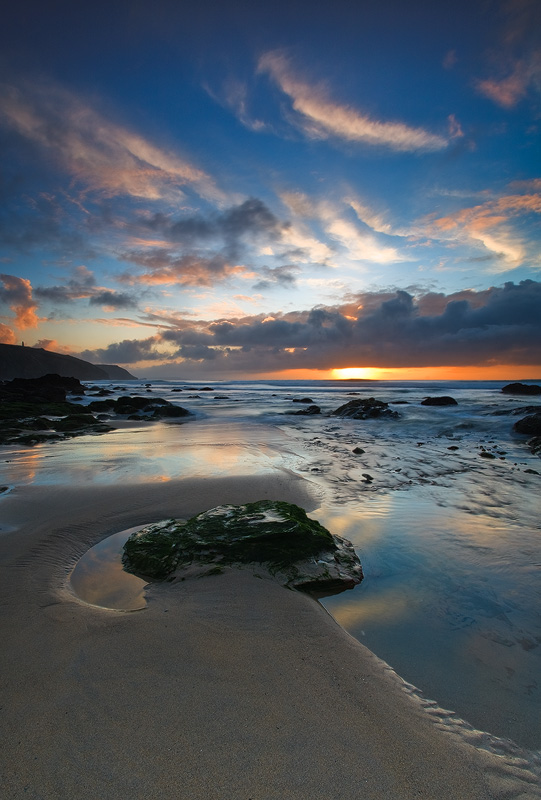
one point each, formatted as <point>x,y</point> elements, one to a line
<point>223,687</point>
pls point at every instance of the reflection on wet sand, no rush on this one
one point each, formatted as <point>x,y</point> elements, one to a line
<point>451,600</point>
<point>98,577</point>
<point>157,452</point>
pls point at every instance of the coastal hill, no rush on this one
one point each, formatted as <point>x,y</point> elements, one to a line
<point>17,361</point>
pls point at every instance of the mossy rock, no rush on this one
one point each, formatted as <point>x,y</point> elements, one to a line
<point>272,532</point>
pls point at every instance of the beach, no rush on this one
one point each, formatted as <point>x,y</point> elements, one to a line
<point>224,687</point>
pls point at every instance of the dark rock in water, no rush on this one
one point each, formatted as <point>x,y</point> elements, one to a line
<point>358,451</point>
<point>365,409</point>
<point>444,400</point>
<point>367,478</point>
<point>529,471</point>
<point>453,447</point>
<point>530,425</point>
<point>298,551</point>
<point>176,390</point>
<point>170,412</point>
<point>521,388</point>
<point>400,402</point>
<point>302,400</point>
<point>221,397</point>
<point>307,412</point>
<point>535,445</point>
<point>486,454</point>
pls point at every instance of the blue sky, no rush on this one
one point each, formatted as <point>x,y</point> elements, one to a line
<point>244,190</point>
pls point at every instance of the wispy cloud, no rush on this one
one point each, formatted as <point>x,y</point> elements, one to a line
<point>488,223</point>
<point>102,155</point>
<point>509,89</point>
<point>321,117</point>
<point>359,246</point>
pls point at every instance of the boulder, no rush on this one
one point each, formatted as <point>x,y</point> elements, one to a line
<point>307,412</point>
<point>530,425</point>
<point>296,550</point>
<point>443,400</point>
<point>365,409</point>
<point>521,388</point>
<point>302,400</point>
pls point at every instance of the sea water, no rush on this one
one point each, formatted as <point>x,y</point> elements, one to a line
<point>449,539</point>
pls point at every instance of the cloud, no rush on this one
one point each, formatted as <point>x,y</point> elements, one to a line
<point>165,268</point>
<point>129,351</point>
<point>284,276</point>
<point>509,90</point>
<point>322,118</point>
<point>17,294</point>
<point>7,336</point>
<point>488,224</point>
<point>83,286</point>
<point>515,61</point>
<point>250,220</point>
<point>388,329</point>
<point>102,155</point>
<point>358,244</point>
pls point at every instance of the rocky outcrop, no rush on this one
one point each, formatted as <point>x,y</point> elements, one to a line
<point>521,388</point>
<point>443,400</point>
<point>296,550</point>
<point>365,409</point>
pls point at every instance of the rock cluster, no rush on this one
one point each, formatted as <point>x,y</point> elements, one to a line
<point>296,550</point>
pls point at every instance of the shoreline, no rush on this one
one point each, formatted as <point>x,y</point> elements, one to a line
<point>224,687</point>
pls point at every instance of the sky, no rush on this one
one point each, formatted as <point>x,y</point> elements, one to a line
<point>242,190</point>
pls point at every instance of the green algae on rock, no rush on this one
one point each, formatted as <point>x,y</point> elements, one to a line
<point>297,550</point>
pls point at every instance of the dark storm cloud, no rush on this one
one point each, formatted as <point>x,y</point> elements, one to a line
<point>500,325</point>
<point>128,351</point>
<point>113,300</point>
<point>83,286</point>
<point>283,276</point>
<point>251,219</point>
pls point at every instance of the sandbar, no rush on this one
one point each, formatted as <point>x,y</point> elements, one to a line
<point>228,687</point>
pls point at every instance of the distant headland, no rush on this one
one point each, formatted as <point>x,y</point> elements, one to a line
<point>17,361</point>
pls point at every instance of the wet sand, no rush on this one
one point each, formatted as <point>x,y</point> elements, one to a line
<point>223,687</point>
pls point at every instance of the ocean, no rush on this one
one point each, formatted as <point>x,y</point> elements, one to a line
<point>442,505</point>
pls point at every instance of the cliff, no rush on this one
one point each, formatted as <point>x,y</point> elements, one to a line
<point>33,362</point>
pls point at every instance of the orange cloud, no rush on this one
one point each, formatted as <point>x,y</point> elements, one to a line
<point>6,335</point>
<point>17,293</point>
<point>488,223</point>
<point>507,91</point>
<point>321,117</point>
